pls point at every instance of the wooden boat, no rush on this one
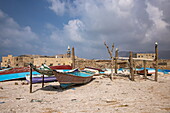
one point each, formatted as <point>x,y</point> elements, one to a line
<point>72,78</point>
<point>38,78</point>
<point>45,70</point>
<point>2,70</point>
<point>149,72</point>
<point>27,69</point>
<point>14,76</point>
<point>93,70</point>
<point>17,73</point>
<point>15,70</point>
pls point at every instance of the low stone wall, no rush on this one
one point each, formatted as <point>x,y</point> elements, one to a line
<point>102,64</point>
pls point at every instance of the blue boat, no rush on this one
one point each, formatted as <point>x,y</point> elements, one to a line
<point>14,76</point>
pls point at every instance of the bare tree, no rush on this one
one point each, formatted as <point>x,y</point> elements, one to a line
<point>111,57</point>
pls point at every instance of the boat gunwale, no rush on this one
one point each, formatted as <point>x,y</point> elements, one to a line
<point>54,71</point>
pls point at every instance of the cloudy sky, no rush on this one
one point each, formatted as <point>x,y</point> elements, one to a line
<point>47,27</point>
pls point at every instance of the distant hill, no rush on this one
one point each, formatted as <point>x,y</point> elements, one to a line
<point>163,54</point>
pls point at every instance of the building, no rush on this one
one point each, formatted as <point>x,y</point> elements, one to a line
<point>24,60</point>
<point>145,55</point>
<point>19,61</point>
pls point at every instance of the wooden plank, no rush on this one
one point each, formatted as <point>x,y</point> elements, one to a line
<point>145,73</point>
<point>116,57</point>
<point>73,58</point>
<point>30,79</point>
<point>156,61</point>
<point>42,81</point>
<point>131,66</point>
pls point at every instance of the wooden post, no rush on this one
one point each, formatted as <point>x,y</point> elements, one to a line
<point>73,58</point>
<point>112,61</point>
<point>30,79</point>
<point>156,61</point>
<point>42,81</point>
<point>131,66</point>
<point>134,65</point>
<point>116,57</point>
<point>145,73</point>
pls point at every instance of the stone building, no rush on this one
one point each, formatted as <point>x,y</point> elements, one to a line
<point>145,55</point>
<point>24,60</point>
<point>19,61</point>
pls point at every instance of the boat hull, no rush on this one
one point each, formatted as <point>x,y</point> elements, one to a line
<point>39,78</point>
<point>68,79</point>
<point>27,69</point>
<point>148,72</point>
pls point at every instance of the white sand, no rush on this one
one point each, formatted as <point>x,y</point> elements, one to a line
<point>99,96</point>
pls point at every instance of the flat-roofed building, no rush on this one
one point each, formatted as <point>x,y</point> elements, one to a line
<point>145,55</point>
<point>24,60</point>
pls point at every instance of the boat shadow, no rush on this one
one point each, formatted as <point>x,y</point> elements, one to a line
<point>60,89</point>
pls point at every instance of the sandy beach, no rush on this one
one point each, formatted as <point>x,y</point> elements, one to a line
<point>101,95</point>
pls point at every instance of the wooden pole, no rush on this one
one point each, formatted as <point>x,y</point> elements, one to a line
<point>156,61</point>
<point>145,73</point>
<point>131,66</point>
<point>112,61</point>
<point>42,81</point>
<point>134,65</point>
<point>73,58</point>
<point>30,79</point>
<point>116,57</point>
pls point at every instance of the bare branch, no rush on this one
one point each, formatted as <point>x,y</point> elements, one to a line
<point>110,53</point>
<point>112,47</point>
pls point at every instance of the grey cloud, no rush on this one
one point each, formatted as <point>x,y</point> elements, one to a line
<point>131,26</point>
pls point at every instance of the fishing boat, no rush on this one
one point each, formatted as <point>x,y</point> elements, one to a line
<point>21,72</point>
<point>15,70</point>
<point>27,69</point>
<point>149,71</point>
<point>38,78</point>
<point>93,70</point>
<point>5,69</point>
<point>14,76</point>
<point>67,79</point>
<point>45,70</point>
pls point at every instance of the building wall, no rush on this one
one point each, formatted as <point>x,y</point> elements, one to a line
<point>7,61</point>
<point>162,64</point>
<point>23,61</point>
<point>20,61</point>
<point>52,61</point>
<point>145,55</point>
